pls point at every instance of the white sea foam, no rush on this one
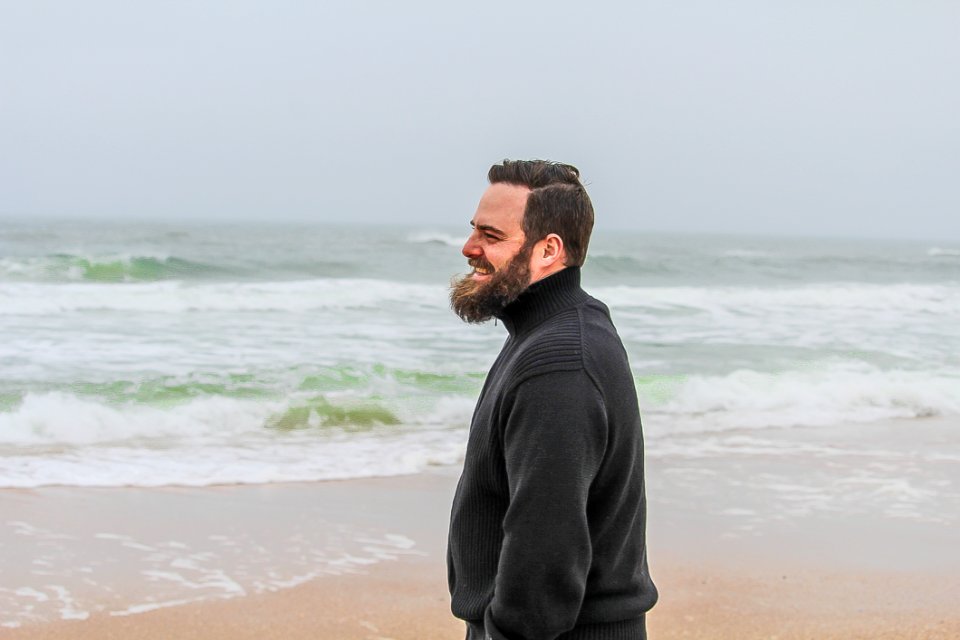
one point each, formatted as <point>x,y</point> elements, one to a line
<point>807,299</point>
<point>173,381</point>
<point>155,571</point>
<point>284,460</point>
<point>59,439</point>
<point>63,419</point>
<point>68,605</point>
<point>66,419</point>
<point>436,237</point>
<point>153,606</point>
<point>28,592</point>
<point>937,251</point>
<point>29,299</point>
<point>218,585</point>
<point>746,253</point>
<point>907,321</point>
<point>844,392</point>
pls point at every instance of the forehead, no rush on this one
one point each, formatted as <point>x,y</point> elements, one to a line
<point>502,206</point>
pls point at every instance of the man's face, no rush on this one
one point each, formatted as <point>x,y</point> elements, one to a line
<point>497,252</point>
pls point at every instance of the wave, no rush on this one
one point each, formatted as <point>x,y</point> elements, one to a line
<point>378,376</point>
<point>937,252</point>
<point>841,392</point>
<point>64,438</point>
<point>362,293</point>
<point>746,254</point>
<point>436,237</point>
<point>361,456</point>
<point>932,298</point>
<point>831,393</point>
<point>615,264</point>
<point>64,419</point>
<point>179,297</point>
<point>59,419</point>
<point>169,390</point>
<point>318,412</point>
<point>65,267</point>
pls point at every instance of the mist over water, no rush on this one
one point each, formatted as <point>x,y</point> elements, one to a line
<point>193,355</point>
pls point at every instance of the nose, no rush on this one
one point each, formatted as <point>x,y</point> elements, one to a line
<point>471,248</point>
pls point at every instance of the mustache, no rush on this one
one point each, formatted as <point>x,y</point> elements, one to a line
<point>480,263</point>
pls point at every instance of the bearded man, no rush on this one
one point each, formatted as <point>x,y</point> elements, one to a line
<point>547,532</point>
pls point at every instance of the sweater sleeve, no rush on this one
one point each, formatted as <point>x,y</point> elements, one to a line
<point>554,437</point>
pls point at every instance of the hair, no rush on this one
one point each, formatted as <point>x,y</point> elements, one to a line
<point>558,203</point>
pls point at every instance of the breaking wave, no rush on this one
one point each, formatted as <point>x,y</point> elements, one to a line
<point>355,431</point>
<point>179,297</point>
<point>837,393</point>
<point>436,237</point>
<point>64,267</point>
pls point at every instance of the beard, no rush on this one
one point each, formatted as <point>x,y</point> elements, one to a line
<point>477,302</point>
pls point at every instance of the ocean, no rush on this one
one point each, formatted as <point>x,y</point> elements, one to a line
<point>192,355</point>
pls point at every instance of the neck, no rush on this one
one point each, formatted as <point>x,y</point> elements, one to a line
<point>556,267</point>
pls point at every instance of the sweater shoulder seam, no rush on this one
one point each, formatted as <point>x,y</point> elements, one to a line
<point>583,359</point>
<point>572,364</point>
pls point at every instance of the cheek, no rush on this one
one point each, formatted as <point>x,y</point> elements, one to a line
<point>500,263</point>
<point>500,259</point>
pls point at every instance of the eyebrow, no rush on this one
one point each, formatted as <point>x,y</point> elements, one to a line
<point>488,228</point>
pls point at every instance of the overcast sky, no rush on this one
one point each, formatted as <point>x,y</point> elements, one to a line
<point>814,118</point>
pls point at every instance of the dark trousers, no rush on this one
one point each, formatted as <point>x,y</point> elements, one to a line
<point>626,630</point>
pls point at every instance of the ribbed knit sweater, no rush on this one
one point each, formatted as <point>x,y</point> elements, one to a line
<point>547,531</point>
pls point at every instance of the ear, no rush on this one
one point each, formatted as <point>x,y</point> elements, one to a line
<point>549,251</point>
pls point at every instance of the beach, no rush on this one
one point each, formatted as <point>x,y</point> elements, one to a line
<point>369,562</point>
<point>252,431</point>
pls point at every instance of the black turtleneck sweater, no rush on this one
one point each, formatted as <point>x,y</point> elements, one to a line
<point>547,531</point>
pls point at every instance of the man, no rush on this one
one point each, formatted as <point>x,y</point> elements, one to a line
<point>547,531</point>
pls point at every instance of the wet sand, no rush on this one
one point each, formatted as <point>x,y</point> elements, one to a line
<point>364,559</point>
<point>407,601</point>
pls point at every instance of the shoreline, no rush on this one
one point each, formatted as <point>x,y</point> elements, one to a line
<point>407,600</point>
<point>364,558</point>
<point>102,556</point>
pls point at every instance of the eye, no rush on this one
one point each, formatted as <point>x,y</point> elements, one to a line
<point>490,236</point>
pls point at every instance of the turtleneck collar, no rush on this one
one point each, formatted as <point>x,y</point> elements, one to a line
<point>543,299</point>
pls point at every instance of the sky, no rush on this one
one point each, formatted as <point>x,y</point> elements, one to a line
<point>786,118</point>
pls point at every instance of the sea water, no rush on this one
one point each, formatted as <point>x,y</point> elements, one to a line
<point>153,355</point>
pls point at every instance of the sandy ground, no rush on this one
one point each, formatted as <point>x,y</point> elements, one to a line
<point>407,602</point>
<point>784,583</point>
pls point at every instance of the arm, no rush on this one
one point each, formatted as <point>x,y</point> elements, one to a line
<point>554,437</point>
